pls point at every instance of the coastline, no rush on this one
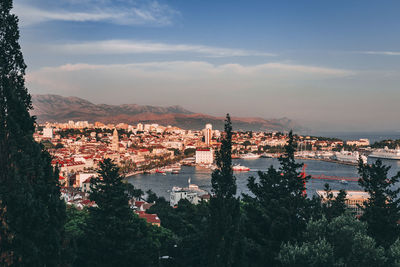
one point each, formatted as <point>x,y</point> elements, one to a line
<point>330,160</point>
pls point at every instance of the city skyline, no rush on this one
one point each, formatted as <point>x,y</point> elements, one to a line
<point>328,66</point>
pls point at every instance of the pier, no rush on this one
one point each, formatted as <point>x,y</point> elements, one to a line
<point>337,178</point>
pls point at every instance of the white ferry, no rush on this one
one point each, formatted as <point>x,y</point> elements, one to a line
<point>250,156</point>
<point>348,156</point>
<point>386,153</point>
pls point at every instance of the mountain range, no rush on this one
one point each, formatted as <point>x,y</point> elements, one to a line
<point>55,108</point>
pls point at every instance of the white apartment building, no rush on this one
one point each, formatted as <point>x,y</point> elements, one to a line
<point>192,193</point>
<point>48,132</point>
<point>204,156</point>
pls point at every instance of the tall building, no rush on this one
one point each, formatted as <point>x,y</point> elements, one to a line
<point>115,141</point>
<point>139,127</point>
<point>208,134</point>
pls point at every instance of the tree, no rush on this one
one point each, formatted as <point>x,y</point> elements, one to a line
<point>115,236</point>
<point>74,233</point>
<point>188,222</point>
<point>278,209</point>
<point>333,207</point>
<point>31,211</point>
<point>394,254</point>
<point>59,145</point>
<point>224,206</point>
<point>133,192</point>
<point>317,253</point>
<point>189,151</point>
<point>341,242</point>
<point>382,210</point>
<point>246,143</point>
<point>151,196</point>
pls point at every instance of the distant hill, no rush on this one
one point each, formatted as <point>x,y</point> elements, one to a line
<point>55,108</point>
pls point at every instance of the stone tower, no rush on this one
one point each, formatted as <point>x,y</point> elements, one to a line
<point>115,141</point>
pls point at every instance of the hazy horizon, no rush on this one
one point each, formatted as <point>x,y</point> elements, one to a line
<point>329,66</point>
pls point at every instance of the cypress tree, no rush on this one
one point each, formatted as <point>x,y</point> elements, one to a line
<point>278,209</point>
<point>114,235</point>
<point>31,211</point>
<point>382,210</point>
<point>224,206</point>
<point>333,207</point>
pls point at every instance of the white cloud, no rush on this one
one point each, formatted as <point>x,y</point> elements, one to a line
<point>383,53</point>
<point>130,13</point>
<point>276,89</point>
<point>140,47</point>
<point>201,66</point>
<point>174,78</point>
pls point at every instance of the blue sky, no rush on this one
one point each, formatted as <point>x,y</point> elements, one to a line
<point>330,65</point>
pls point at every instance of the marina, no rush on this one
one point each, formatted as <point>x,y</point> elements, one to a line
<point>338,176</point>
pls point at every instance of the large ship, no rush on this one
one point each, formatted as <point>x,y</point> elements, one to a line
<point>348,156</point>
<point>386,153</point>
<point>250,156</point>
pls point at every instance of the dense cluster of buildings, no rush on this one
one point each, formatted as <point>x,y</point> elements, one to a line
<point>78,147</point>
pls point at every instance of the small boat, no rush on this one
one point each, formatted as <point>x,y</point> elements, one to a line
<point>267,155</point>
<point>175,172</point>
<point>160,171</point>
<point>343,182</point>
<point>240,168</point>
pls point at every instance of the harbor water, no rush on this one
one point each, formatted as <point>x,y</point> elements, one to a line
<point>162,184</point>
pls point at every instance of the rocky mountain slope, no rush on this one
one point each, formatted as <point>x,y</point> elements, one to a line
<point>54,108</point>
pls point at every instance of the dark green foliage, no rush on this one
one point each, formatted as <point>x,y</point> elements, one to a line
<point>188,222</point>
<point>222,180</point>
<point>224,207</point>
<point>392,144</point>
<point>341,242</point>
<point>133,192</point>
<point>31,212</point>
<point>189,151</point>
<point>394,254</point>
<point>382,211</point>
<point>278,209</point>
<point>74,233</point>
<point>59,145</point>
<point>334,206</point>
<point>114,235</point>
<point>176,151</point>
<point>151,196</point>
<point>246,143</point>
<point>47,144</point>
<point>316,253</point>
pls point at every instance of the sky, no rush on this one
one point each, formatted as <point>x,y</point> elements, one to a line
<point>328,65</point>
